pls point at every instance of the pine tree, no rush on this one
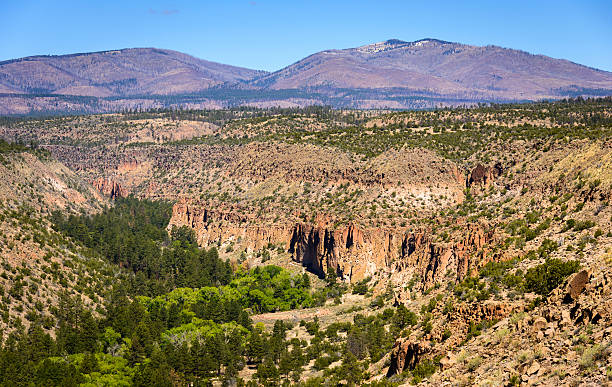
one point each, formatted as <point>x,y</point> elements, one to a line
<point>245,320</point>
<point>285,364</point>
<point>267,372</point>
<point>305,281</point>
<point>155,373</point>
<point>255,347</point>
<point>89,364</point>
<point>142,343</point>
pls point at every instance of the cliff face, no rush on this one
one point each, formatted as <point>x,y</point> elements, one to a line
<point>408,351</point>
<point>110,188</point>
<point>352,252</point>
<point>227,224</point>
<point>356,254</point>
<point>482,176</point>
<point>406,354</point>
<point>434,260</point>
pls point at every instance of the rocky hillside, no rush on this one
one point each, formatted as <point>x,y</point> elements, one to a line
<point>41,268</point>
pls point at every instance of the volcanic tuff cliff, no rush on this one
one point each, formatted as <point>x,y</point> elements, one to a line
<point>353,251</point>
<point>110,188</point>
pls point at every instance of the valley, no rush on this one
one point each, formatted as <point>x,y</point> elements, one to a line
<point>309,246</point>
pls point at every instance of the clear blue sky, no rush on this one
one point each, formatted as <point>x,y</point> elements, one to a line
<point>270,34</point>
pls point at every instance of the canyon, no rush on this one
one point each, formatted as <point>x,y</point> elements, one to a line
<point>449,214</point>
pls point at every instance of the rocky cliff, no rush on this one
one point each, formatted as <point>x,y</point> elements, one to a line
<point>482,176</point>
<point>109,187</point>
<point>353,252</point>
<point>226,224</point>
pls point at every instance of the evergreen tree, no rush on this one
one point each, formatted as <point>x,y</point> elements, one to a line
<point>89,364</point>
<point>154,373</point>
<point>142,343</point>
<point>255,347</point>
<point>267,373</point>
<point>285,364</point>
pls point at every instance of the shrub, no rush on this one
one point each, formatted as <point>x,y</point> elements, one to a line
<point>543,278</point>
<point>424,369</point>
<point>514,380</point>
<point>404,317</point>
<point>583,225</point>
<point>361,287</point>
<point>591,355</point>
<point>471,289</point>
<point>446,334</point>
<point>578,225</point>
<point>474,363</point>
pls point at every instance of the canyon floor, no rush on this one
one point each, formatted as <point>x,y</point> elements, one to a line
<point>491,225</point>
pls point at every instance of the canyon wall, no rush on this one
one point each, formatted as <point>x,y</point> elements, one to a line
<point>226,225</point>
<point>109,188</point>
<point>354,253</point>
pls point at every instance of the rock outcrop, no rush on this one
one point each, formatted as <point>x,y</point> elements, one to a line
<point>482,176</point>
<point>576,285</point>
<point>227,224</point>
<point>434,260</point>
<point>479,311</point>
<point>353,253</point>
<point>110,188</point>
<point>356,254</point>
<point>406,354</point>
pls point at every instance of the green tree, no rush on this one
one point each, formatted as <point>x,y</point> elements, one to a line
<point>255,347</point>
<point>142,343</point>
<point>89,364</point>
<point>267,372</point>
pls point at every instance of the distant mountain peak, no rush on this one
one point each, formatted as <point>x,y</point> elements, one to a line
<point>381,46</point>
<point>390,73</point>
<point>396,42</point>
<point>393,44</point>
<point>122,72</point>
<point>423,42</point>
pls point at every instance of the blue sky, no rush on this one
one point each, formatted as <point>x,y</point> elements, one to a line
<point>270,34</point>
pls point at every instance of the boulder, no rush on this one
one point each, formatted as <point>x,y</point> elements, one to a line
<point>483,176</point>
<point>576,285</point>
<point>535,367</point>
<point>565,317</point>
<point>539,324</point>
<point>448,361</point>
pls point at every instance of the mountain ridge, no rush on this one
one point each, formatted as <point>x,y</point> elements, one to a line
<point>127,71</point>
<point>435,65</point>
<point>390,74</point>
